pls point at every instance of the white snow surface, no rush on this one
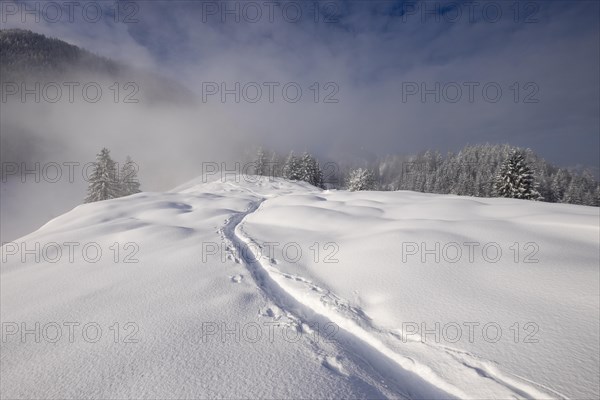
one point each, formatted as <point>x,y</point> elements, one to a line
<point>255,287</point>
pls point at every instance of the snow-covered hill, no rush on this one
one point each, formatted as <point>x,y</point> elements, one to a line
<point>265,288</point>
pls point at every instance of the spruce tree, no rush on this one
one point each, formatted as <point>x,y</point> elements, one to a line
<point>515,179</point>
<point>128,180</point>
<point>575,192</point>
<point>276,165</point>
<point>309,171</point>
<point>317,175</point>
<point>291,169</point>
<point>361,179</point>
<point>560,183</point>
<point>260,165</point>
<point>104,182</point>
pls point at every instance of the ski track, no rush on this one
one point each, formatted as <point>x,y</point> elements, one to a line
<point>390,373</point>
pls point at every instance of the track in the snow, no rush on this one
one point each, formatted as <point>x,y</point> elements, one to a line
<point>385,374</point>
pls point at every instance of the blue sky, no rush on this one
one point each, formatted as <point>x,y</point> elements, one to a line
<point>374,51</point>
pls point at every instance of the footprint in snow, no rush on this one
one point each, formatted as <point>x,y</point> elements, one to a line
<point>269,313</point>
<point>333,364</point>
<point>236,278</point>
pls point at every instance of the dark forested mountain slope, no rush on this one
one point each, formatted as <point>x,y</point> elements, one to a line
<point>26,55</point>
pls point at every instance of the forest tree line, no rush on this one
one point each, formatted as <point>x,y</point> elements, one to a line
<point>477,170</point>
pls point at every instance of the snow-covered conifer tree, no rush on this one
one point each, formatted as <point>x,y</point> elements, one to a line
<point>291,169</point>
<point>260,165</point>
<point>515,179</point>
<point>309,170</point>
<point>361,179</point>
<point>575,192</point>
<point>560,183</point>
<point>129,183</point>
<point>104,182</point>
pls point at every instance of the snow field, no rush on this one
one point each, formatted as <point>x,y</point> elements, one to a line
<point>378,305</point>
